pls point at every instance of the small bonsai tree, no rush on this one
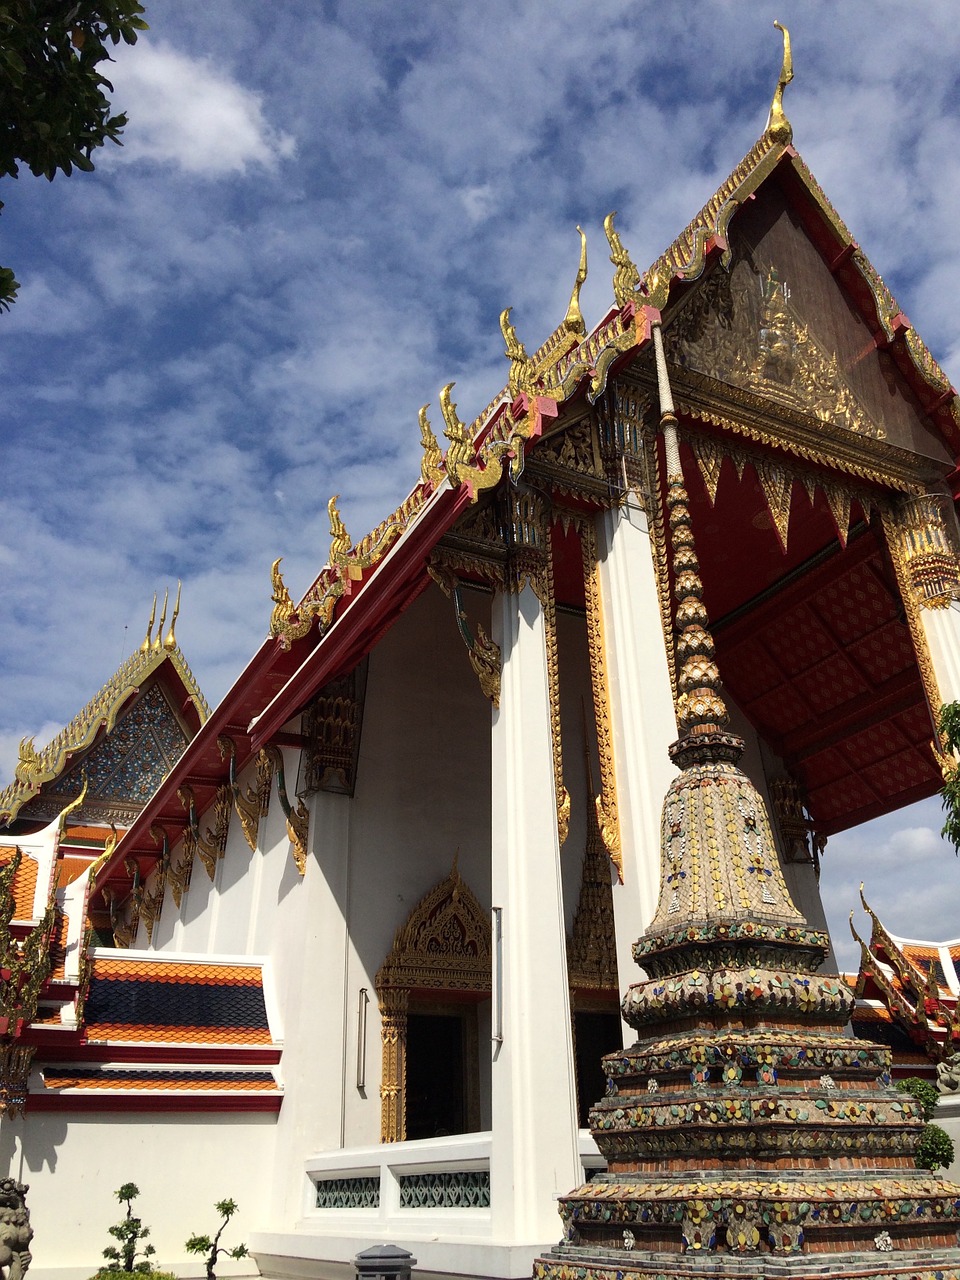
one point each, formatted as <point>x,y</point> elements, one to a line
<point>130,1231</point>
<point>212,1246</point>
<point>935,1149</point>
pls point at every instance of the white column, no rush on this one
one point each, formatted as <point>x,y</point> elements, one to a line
<point>320,1047</point>
<point>642,718</point>
<point>942,629</point>
<point>534,1156</point>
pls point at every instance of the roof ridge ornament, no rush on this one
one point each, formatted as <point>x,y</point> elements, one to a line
<point>431,464</point>
<point>778,126</point>
<point>626,277</point>
<point>340,544</point>
<point>521,377</point>
<point>170,641</point>
<point>573,321</point>
<point>157,639</point>
<point>145,647</point>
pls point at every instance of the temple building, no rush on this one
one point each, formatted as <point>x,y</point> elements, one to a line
<point>356,960</point>
<point>908,997</point>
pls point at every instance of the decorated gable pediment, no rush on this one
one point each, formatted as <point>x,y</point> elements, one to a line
<point>778,326</point>
<point>743,328</point>
<point>124,766</point>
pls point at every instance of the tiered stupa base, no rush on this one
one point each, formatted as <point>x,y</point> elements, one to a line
<point>758,1151</point>
<point>745,1133</point>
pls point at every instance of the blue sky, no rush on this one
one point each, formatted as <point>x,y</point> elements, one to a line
<point>319,213</point>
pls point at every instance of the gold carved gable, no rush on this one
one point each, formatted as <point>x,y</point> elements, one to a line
<point>444,944</point>
<point>744,327</point>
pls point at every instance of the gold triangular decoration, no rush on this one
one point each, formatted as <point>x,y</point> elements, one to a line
<point>777,488</point>
<point>839,502</point>
<point>709,458</point>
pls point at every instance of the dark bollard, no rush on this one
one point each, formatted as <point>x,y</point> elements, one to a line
<point>384,1262</point>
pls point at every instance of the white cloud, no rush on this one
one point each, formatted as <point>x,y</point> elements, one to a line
<point>188,112</point>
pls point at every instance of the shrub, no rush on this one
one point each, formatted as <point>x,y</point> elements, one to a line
<point>115,1273</point>
<point>923,1091</point>
<point>935,1150</point>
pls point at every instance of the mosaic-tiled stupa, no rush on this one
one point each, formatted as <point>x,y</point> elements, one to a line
<point>745,1134</point>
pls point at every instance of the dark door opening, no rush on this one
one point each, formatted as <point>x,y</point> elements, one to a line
<point>595,1034</point>
<point>438,1094</point>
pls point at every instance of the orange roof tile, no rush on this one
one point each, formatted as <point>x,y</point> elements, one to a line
<point>135,969</point>
<point>24,885</point>
<point>178,1079</point>
<point>143,1032</point>
<point>90,833</point>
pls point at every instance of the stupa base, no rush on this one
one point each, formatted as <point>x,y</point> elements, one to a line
<point>572,1262</point>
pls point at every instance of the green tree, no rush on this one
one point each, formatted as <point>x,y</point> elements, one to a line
<point>211,1246</point>
<point>949,726</point>
<point>53,108</point>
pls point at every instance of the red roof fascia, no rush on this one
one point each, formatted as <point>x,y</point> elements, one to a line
<point>402,569</point>
<point>180,1101</point>
<point>54,1050</point>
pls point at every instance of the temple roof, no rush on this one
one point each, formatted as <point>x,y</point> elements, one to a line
<point>131,765</point>
<point>913,985</point>
<point>365,586</point>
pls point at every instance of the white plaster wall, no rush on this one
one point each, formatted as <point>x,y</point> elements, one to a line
<point>576,707</point>
<point>422,796</point>
<point>182,1164</point>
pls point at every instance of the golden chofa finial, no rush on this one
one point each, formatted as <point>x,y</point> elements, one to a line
<point>573,320</point>
<point>170,641</point>
<point>163,617</point>
<point>778,126</point>
<point>145,647</point>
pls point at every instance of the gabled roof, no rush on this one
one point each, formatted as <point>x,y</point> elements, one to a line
<point>365,586</point>
<point>913,984</point>
<point>46,771</point>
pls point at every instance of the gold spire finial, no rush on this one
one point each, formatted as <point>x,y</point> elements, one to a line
<point>573,320</point>
<point>163,617</point>
<point>778,126</point>
<point>700,706</point>
<point>340,544</point>
<point>145,647</point>
<point>170,642</point>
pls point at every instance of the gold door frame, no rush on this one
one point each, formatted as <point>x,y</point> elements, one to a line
<point>444,946</point>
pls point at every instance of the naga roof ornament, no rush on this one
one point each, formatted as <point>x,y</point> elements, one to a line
<point>431,464</point>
